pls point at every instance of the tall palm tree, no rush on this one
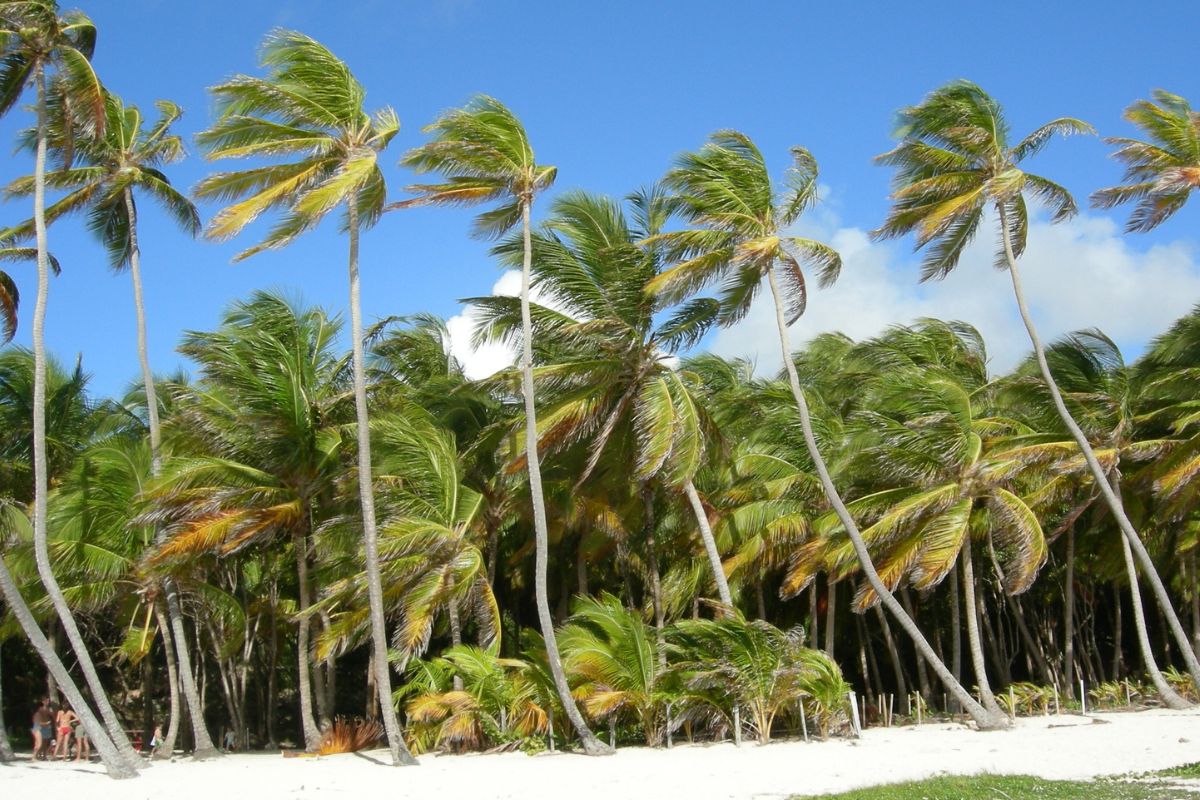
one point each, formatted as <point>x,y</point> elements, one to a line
<point>101,180</point>
<point>309,111</point>
<point>39,45</point>
<point>954,163</point>
<point>726,189</point>
<point>10,296</point>
<point>484,153</point>
<point>1160,173</point>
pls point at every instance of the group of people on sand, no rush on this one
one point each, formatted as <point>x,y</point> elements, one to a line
<point>58,727</point>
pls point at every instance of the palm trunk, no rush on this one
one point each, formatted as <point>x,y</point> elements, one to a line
<point>6,751</point>
<point>455,626</point>
<point>955,628</point>
<point>975,644</point>
<point>312,735</point>
<point>922,676</point>
<point>366,493</point>
<point>1069,616</point>
<point>1195,587</point>
<point>830,615</point>
<point>591,745</point>
<point>1098,474</point>
<point>1032,649</point>
<point>986,720</point>
<point>114,761</point>
<point>655,580</point>
<point>710,546</point>
<point>894,655</point>
<point>204,744</point>
<point>41,482</point>
<point>167,746</point>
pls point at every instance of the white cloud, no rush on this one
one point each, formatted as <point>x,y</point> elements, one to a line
<point>487,359</point>
<point>1079,274</point>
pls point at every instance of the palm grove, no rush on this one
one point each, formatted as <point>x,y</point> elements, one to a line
<point>620,539</point>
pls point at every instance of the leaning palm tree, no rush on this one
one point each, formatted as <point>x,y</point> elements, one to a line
<point>1160,173</point>
<point>726,189</point>
<point>954,164</point>
<point>309,109</point>
<point>38,45</point>
<point>485,155</point>
<point>102,180</point>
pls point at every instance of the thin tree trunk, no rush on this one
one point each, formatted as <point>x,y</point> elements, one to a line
<point>922,677</point>
<point>455,626</point>
<point>760,599</point>
<point>1118,638</point>
<point>51,684</point>
<point>813,635</point>
<point>1098,474</point>
<point>204,744</point>
<point>114,761</point>
<point>272,668</point>
<point>6,751</point>
<point>710,546</point>
<point>984,718</point>
<point>655,581</point>
<point>40,478</point>
<point>1018,615</point>
<point>1195,586</point>
<point>830,615</point>
<point>1069,616</point>
<point>997,647</point>
<point>366,493</point>
<point>894,655</point>
<point>975,644</point>
<point>871,659</point>
<point>312,735</point>
<point>591,745</point>
<point>955,626</point>
<point>167,745</point>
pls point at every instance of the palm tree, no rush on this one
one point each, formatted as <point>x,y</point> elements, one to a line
<point>127,157</point>
<point>10,296</point>
<point>1105,395</point>
<point>259,445</point>
<point>485,155</point>
<point>1160,173</point>
<point>610,384</point>
<point>310,108</point>
<point>39,44</point>
<point>954,163</point>
<point>725,188</point>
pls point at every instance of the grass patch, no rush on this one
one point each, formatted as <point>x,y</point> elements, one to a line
<point>1017,787</point>
<point>1186,771</point>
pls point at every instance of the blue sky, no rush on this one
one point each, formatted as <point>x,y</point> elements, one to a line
<point>610,92</point>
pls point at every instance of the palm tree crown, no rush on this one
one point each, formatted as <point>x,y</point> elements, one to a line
<point>955,160</point>
<point>1159,173</point>
<point>308,111</point>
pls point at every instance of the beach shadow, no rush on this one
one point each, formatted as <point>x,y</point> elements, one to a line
<point>372,759</point>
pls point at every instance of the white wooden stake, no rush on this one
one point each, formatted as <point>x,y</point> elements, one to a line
<point>891,708</point>
<point>1012,704</point>
<point>1082,698</point>
<point>1057,707</point>
<point>854,721</point>
<point>737,725</point>
<point>803,722</point>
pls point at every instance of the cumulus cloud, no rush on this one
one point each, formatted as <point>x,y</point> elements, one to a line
<point>1079,274</point>
<point>486,359</point>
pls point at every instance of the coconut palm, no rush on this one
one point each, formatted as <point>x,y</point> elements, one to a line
<point>40,46</point>
<point>1105,395</point>
<point>309,112</point>
<point>744,236</point>
<point>484,153</point>
<point>260,445</point>
<point>10,296</point>
<point>609,383</point>
<point>1160,174</point>
<point>954,164</point>
<point>101,180</point>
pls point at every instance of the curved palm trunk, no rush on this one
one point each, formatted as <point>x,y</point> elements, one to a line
<point>204,744</point>
<point>6,751</point>
<point>985,719</point>
<point>366,493</point>
<point>1098,474</point>
<point>591,745</point>
<point>167,746</point>
<point>710,545</point>
<point>973,641</point>
<point>40,479</point>
<point>114,761</point>
<point>1069,617</point>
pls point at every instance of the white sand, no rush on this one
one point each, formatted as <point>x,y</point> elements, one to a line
<point>1051,747</point>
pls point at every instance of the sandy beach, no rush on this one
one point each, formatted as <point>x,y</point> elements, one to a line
<point>1051,747</point>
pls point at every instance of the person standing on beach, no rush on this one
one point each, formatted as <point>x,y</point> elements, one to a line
<point>64,723</point>
<point>83,745</point>
<point>43,731</point>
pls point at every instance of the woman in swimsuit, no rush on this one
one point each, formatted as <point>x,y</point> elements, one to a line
<point>62,747</point>
<point>43,730</point>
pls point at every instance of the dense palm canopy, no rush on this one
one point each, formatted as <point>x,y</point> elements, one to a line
<point>521,554</point>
